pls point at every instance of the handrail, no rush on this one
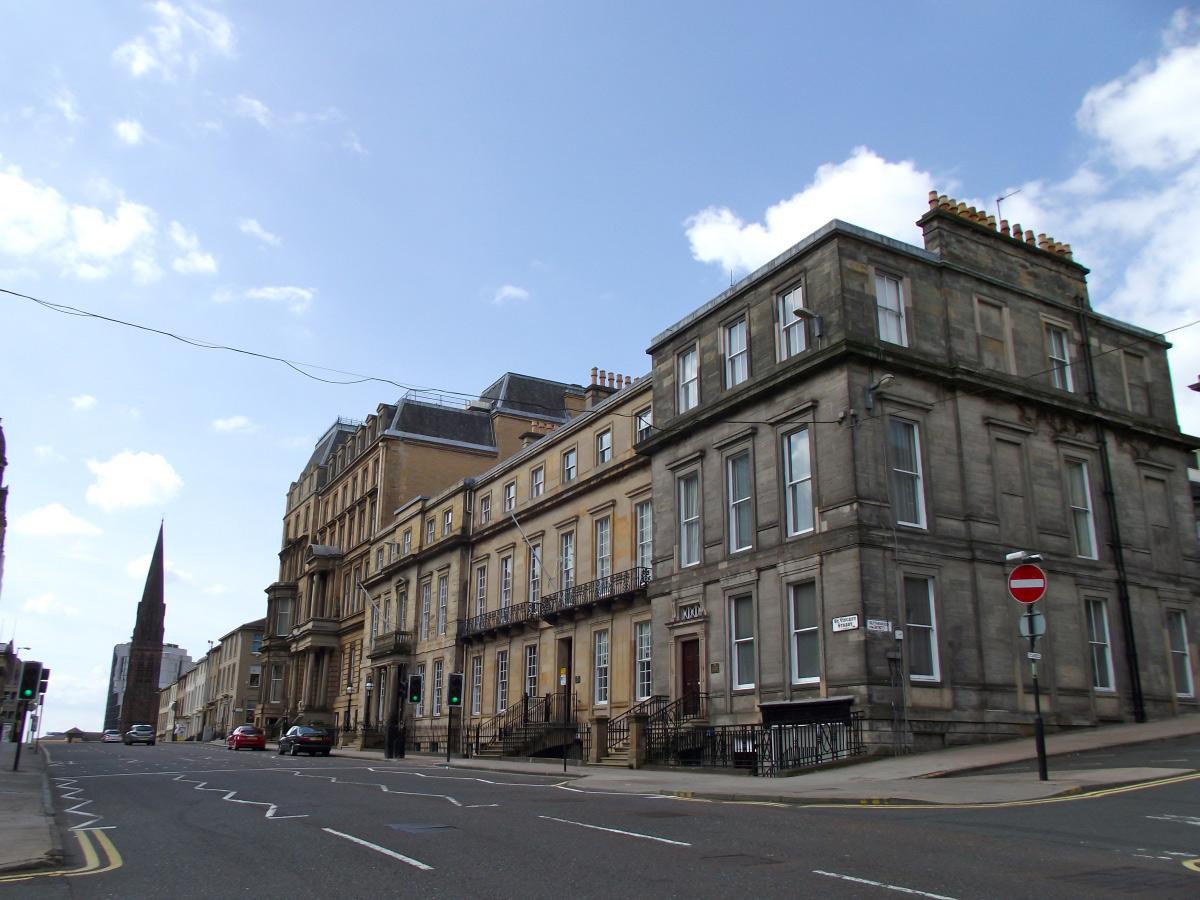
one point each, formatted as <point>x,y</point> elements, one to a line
<point>618,727</point>
<point>589,592</point>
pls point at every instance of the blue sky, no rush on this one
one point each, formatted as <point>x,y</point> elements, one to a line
<point>437,193</point>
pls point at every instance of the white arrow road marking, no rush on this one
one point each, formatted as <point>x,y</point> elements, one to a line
<point>230,795</point>
<point>415,863</point>
<point>889,887</point>
<point>645,837</point>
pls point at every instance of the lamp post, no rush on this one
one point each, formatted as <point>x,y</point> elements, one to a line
<point>367,713</point>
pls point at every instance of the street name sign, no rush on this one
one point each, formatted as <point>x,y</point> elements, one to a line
<point>1027,583</point>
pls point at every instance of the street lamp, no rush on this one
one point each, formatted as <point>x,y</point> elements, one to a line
<point>367,720</point>
<point>869,393</point>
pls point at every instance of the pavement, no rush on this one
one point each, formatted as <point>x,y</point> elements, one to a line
<point>29,837</point>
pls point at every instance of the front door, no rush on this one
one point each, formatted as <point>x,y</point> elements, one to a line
<point>689,676</point>
<point>560,709</point>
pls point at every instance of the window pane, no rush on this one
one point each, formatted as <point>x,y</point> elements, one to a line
<point>808,655</point>
<point>804,605</point>
<point>743,618</point>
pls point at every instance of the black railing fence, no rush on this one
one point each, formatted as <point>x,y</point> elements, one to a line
<point>765,750</point>
<point>590,591</point>
<point>618,726</point>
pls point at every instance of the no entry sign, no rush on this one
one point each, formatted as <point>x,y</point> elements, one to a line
<point>1027,583</point>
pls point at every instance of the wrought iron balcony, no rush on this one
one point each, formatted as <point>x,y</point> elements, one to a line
<point>616,586</point>
<point>393,643</point>
<point>516,614</point>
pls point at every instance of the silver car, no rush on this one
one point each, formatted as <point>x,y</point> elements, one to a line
<point>140,734</point>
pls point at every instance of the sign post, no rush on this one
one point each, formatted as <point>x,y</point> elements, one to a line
<point>1027,585</point>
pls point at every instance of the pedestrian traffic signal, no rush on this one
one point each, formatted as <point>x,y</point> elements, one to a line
<point>45,681</point>
<point>31,676</point>
<point>414,689</point>
<point>454,695</point>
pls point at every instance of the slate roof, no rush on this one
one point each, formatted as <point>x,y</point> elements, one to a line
<point>537,397</point>
<point>464,426</point>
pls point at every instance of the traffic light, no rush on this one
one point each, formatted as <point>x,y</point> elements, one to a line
<point>414,689</point>
<point>45,681</point>
<point>454,692</point>
<point>31,676</point>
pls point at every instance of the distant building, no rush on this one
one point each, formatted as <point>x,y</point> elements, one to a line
<point>175,662</point>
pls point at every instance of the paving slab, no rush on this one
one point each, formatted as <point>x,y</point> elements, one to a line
<point>28,836</point>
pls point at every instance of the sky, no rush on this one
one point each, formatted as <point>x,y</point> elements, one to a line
<point>429,195</point>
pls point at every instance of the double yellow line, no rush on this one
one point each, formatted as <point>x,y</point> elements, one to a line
<point>94,844</point>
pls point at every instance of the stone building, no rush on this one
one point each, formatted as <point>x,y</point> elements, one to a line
<point>174,662</point>
<point>359,474</point>
<point>234,684</point>
<point>850,440</point>
<point>528,579</point>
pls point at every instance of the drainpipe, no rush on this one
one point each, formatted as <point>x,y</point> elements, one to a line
<point>1110,502</point>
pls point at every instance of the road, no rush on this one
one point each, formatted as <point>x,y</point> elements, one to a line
<point>187,820</point>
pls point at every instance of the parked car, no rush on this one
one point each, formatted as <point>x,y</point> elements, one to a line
<point>246,736</point>
<point>140,734</point>
<point>111,736</point>
<point>306,739</point>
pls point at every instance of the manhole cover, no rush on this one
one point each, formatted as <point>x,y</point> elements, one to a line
<point>419,829</point>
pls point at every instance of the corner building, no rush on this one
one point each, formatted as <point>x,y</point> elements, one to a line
<point>851,439</point>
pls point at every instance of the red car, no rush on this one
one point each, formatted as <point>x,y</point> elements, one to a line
<point>246,736</point>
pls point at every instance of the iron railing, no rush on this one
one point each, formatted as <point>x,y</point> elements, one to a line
<point>618,727</point>
<point>669,721</point>
<point>589,592</point>
<point>765,750</point>
<point>527,722</point>
<point>515,614</point>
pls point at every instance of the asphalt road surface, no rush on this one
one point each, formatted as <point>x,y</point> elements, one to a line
<point>186,820</point>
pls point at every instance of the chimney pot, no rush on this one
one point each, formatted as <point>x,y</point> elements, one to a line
<point>1016,230</point>
<point>1029,238</point>
<point>602,376</point>
<point>933,199</point>
<point>1004,227</point>
<point>991,222</point>
<point>593,374</point>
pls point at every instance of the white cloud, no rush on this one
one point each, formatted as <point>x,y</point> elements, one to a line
<point>46,453</point>
<point>83,402</point>
<point>194,260</point>
<point>138,568</point>
<point>130,131</point>
<point>510,293</point>
<point>38,224</point>
<point>132,479</point>
<point>49,604</point>
<point>297,299</point>
<point>865,189</point>
<point>246,107</point>
<point>178,39</point>
<point>53,520</point>
<point>240,424</point>
<point>1150,117</point>
<point>352,143</point>
<point>64,102</point>
<point>252,228</point>
<point>216,590</point>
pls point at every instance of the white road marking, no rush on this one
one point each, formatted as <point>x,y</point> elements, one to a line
<point>332,779</point>
<point>1182,820</point>
<point>480,805</point>
<point>415,863</point>
<point>230,795</point>
<point>881,884</point>
<point>71,791</point>
<point>646,837</point>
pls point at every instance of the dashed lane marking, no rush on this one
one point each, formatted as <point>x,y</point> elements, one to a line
<point>333,779</point>
<point>415,863</point>
<point>882,884</point>
<point>231,797</point>
<point>92,844</point>
<point>634,834</point>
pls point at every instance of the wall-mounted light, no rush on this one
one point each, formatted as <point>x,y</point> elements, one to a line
<point>807,315</point>
<point>869,393</point>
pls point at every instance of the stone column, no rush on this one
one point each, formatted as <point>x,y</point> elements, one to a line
<point>599,739</point>
<point>638,724</point>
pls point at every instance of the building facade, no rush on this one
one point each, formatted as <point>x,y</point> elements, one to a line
<point>358,476</point>
<point>850,440</point>
<point>174,662</point>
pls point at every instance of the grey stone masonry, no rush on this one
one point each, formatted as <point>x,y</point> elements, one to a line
<point>833,512</point>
